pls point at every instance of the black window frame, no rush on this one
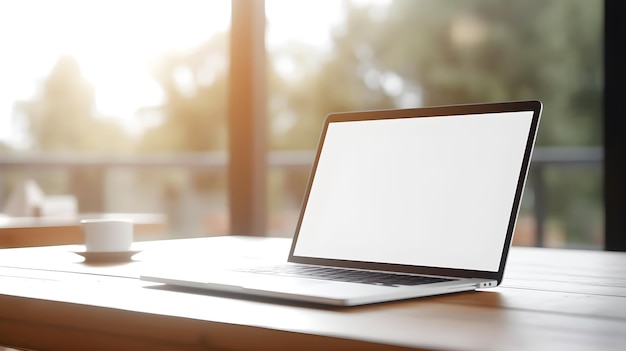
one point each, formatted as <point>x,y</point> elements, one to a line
<point>614,136</point>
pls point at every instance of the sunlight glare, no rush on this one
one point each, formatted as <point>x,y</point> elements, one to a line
<point>114,41</point>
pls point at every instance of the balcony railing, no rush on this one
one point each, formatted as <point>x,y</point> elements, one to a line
<point>27,164</point>
<point>544,157</point>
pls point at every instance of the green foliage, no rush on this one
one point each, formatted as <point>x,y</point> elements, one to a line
<point>411,53</point>
<point>62,118</point>
<point>463,51</point>
<point>433,52</point>
<point>194,111</point>
<point>4,147</point>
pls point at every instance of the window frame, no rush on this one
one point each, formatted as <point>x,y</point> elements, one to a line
<point>614,141</point>
<point>247,105</point>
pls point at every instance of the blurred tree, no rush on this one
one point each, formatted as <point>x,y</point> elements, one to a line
<point>193,115</point>
<point>4,147</point>
<point>428,52</point>
<point>346,80</point>
<point>431,52</point>
<point>489,50</point>
<point>194,110</point>
<point>63,117</point>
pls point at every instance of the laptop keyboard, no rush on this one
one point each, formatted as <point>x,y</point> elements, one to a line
<point>344,275</point>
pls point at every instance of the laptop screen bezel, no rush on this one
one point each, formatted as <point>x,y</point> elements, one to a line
<point>466,109</point>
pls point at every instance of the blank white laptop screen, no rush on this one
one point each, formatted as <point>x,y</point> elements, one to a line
<point>440,188</point>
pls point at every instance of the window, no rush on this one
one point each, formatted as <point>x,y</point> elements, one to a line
<point>127,105</point>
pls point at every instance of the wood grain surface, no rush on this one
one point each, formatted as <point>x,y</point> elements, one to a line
<point>550,299</point>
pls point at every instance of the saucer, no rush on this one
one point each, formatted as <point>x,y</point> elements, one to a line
<point>110,256</point>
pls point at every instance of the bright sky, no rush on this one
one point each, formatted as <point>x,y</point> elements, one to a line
<point>114,39</point>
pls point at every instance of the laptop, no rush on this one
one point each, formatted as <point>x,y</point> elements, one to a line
<point>401,203</point>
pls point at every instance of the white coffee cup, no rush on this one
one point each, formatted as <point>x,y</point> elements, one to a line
<point>107,235</point>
